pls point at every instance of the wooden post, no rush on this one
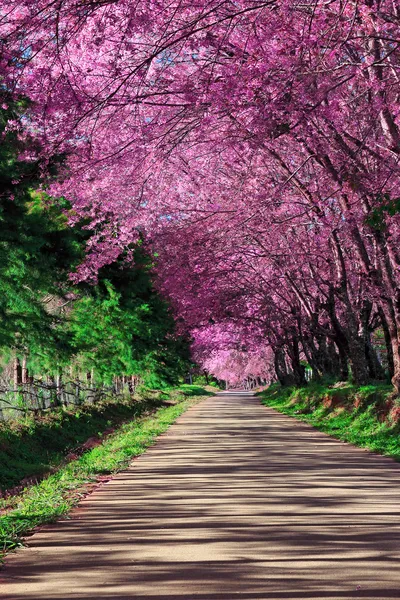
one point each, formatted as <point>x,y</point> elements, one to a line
<point>17,373</point>
<point>24,372</point>
<point>59,386</point>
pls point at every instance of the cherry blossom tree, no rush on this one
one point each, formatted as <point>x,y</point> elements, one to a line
<point>254,144</point>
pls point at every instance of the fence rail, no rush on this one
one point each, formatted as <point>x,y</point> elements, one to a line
<point>38,396</point>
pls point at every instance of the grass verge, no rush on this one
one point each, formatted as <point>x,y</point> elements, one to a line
<point>54,497</point>
<point>32,446</point>
<point>368,417</point>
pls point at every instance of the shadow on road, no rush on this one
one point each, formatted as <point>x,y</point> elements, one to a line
<point>235,501</point>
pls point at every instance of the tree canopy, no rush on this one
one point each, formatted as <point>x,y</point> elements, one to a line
<point>254,145</point>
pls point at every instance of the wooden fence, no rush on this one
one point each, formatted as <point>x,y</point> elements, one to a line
<point>39,396</point>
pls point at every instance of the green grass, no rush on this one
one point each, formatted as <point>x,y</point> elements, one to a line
<point>31,447</point>
<point>194,390</point>
<point>366,416</point>
<point>55,495</point>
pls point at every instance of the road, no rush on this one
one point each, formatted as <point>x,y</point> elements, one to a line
<point>234,501</point>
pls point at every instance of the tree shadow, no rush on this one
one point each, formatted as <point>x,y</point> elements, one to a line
<point>234,501</point>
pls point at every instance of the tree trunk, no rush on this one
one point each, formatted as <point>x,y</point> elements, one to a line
<point>280,366</point>
<point>392,335</point>
<point>299,371</point>
<point>312,357</point>
<point>17,373</point>
<point>358,361</point>
<point>343,363</point>
<point>396,358</point>
<point>388,342</point>
<point>332,359</point>
<point>375,368</point>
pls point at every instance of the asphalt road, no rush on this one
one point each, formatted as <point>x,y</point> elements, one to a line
<point>234,501</point>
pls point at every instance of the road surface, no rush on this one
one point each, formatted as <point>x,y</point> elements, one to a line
<point>234,501</point>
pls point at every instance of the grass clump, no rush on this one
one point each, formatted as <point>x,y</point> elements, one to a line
<point>54,496</point>
<point>367,416</point>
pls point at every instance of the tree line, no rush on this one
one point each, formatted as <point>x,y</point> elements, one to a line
<point>53,329</point>
<point>254,145</point>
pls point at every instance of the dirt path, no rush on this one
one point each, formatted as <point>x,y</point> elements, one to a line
<point>235,501</point>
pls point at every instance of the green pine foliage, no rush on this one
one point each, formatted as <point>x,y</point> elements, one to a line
<point>37,248</point>
<point>123,326</point>
<point>120,326</point>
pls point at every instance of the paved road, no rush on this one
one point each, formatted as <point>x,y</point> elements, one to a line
<point>235,501</point>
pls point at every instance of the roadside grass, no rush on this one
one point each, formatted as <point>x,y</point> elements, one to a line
<point>368,416</point>
<point>55,495</point>
<point>194,390</point>
<point>32,446</point>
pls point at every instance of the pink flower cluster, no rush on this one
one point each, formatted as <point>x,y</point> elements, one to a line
<point>255,145</point>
